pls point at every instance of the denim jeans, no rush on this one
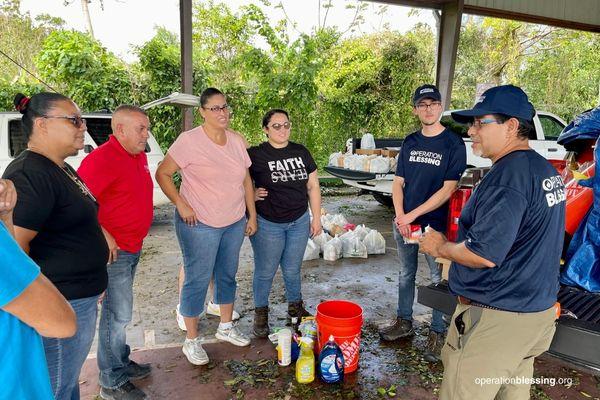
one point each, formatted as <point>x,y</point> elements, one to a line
<point>276,244</point>
<point>113,351</point>
<point>65,357</point>
<point>208,251</point>
<point>408,255</point>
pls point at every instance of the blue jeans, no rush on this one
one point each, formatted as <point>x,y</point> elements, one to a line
<point>408,255</point>
<point>113,351</point>
<point>276,244</point>
<point>208,251</point>
<point>65,357</point>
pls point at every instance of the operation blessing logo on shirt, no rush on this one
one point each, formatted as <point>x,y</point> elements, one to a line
<point>556,188</point>
<point>289,169</point>
<point>425,157</point>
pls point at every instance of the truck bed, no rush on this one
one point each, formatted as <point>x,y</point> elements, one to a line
<point>576,341</point>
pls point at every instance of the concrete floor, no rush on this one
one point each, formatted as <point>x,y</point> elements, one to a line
<point>371,282</point>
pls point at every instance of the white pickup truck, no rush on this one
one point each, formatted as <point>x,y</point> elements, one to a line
<point>13,141</point>
<point>547,128</point>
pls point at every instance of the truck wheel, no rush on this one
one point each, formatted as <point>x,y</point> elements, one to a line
<point>384,200</point>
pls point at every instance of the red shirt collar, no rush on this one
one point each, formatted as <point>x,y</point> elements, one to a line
<point>112,140</point>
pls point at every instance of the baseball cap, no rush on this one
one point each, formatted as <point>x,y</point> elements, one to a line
<point>426,92</point>
<point>506,99</point>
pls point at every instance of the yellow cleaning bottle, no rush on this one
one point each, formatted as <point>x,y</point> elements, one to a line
<point>305,366</point>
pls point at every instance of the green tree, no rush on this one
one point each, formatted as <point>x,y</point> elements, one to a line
<point>21,39</point>
<point>78,66</point>
<point>564,75</point>
<point>558,68</point>
<point>367,84</point>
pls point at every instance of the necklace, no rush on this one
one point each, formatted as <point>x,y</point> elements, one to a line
<point>80,184</point>
<point>72,176</point>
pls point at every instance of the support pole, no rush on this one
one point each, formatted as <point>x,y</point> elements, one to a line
<point>187,83</point>
<point>448,36</point>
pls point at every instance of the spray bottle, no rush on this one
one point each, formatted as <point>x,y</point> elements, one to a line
<point>305,366</point>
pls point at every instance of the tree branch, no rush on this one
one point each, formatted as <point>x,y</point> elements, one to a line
<point>353,20</point>
<point>288,18</point>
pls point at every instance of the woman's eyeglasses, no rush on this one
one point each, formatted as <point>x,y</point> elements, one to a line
<point>286,125</point>
<point>216,109</point>
<point>76,121</point>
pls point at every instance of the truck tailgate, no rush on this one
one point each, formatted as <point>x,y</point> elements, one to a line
<point>351,174</point>
<point>576,341</point>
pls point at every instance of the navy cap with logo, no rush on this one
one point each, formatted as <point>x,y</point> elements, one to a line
<point>426,92</point>
<point>507,99</point>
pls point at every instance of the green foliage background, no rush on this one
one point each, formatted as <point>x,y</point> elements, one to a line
<point>334,86</point>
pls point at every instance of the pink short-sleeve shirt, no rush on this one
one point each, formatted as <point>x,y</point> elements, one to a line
<point>212,176</point>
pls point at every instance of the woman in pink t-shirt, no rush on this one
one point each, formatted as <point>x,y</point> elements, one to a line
<point>210,218</point>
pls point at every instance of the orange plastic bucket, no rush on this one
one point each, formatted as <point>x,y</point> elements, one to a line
<point>342,319</point>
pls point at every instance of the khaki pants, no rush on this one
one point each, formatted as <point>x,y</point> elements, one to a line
<point>495,346</point>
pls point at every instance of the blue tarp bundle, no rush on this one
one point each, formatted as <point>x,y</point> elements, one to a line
<point>584,126</point>
<point>583,255</point>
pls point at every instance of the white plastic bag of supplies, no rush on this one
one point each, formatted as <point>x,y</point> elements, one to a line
<point>333,159</point>
<point>367,141</point>
<point>321,239</point>
<point>353,247</point>
<point>361,231</point>
<point>375,242</point>
<point>327,221</point>
<point>332,250</point>
<point>339,219</point>
<point>311,252</point>
<point>356,163</point>
<point>380,165</point>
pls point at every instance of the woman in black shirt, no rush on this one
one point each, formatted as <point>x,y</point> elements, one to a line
<point>56,222</point>
<point>285,176</point>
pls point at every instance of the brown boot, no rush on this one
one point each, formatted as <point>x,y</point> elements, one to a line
<point>435,342</point>
<point>296,310</point>
<point>261,322</point>
<point>400,329</point>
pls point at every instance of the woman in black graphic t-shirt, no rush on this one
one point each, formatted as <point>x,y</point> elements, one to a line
<point>285,176</point>
<point>56,222</point>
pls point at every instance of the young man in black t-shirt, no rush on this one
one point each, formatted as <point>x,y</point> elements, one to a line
<point>507,257</point>
<point>430,164</point>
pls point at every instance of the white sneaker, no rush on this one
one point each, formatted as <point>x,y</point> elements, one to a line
<point>192,348</point>
<point>180,321</point>
<point>233,336</point>
<point>214,309</point>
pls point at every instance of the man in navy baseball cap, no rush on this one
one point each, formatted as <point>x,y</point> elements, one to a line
<point>499,109</point>
<point>506,259</point>
<point>426,92</point>
<point>507,100</point>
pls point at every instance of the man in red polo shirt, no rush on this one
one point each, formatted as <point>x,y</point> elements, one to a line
<point>117,174</point>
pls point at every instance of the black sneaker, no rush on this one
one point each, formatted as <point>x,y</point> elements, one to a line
<point>435,342</point>
<point>400,329</point>
<point>138,371</point>
<point>126,392</point>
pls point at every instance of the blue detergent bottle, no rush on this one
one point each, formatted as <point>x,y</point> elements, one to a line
<point>331,362</point>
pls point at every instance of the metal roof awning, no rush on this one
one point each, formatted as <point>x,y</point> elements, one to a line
<point>571,14</point>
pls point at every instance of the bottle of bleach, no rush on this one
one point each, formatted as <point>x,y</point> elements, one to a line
<point>331,362</point>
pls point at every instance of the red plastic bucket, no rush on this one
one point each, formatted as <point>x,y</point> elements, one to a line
<point>342,319</point>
